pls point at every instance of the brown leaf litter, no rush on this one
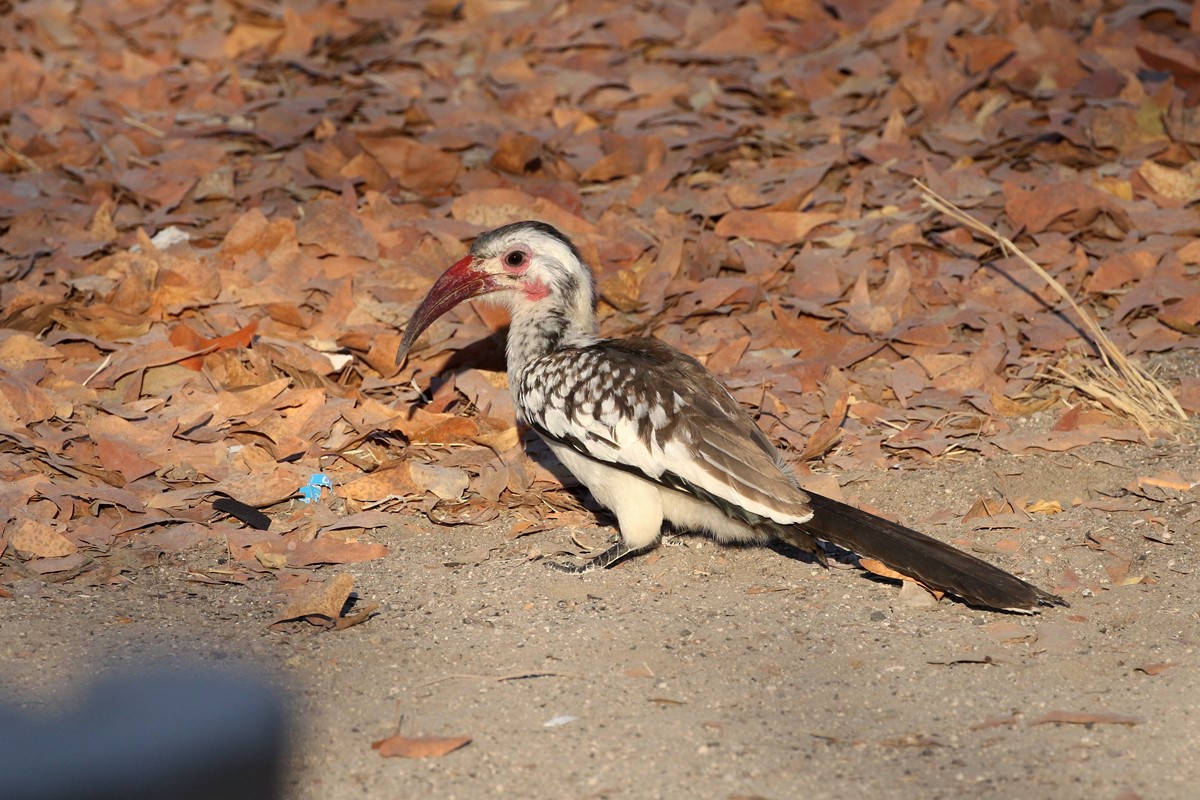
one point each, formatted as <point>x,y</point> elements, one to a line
<point>207,255</point>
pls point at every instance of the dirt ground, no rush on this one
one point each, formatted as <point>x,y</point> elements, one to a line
<point>706,671</point>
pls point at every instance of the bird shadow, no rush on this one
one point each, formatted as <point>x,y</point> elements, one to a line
<point>538,451</point>
<point>992,265</point>
<point>791,552</point>
<point>485,354</point>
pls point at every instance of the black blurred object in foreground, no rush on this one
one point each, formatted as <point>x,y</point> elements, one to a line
<point>171,735</point>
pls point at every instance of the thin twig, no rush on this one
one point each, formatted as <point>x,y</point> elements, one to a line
<point>103,365</point>
<point>514,676</point>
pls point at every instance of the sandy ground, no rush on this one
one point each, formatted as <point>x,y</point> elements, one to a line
<point>705,671</point>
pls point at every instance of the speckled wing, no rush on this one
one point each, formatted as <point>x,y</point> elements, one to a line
<point>642,405</point>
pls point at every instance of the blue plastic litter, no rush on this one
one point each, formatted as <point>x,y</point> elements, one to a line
<point>311,491</point>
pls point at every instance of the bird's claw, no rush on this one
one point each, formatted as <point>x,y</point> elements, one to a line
<point>602,561</point>
<point>569,568</point>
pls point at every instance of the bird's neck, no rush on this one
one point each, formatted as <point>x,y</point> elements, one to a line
<point>541,330</point>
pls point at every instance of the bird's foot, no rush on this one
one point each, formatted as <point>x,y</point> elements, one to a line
<point>605,559</point>
<point>570,569</point>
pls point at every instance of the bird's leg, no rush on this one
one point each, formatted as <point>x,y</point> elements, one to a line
<point>602,561</point>
<point>635,501</point>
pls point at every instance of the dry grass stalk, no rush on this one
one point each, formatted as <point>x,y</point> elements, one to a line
<point>1118,383</point>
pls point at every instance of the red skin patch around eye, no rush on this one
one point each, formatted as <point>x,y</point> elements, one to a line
<point>535,289</point>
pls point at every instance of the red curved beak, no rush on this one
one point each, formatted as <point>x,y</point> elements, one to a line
<point>461,282</point>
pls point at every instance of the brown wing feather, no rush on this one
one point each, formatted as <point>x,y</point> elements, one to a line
<point>728,445</point>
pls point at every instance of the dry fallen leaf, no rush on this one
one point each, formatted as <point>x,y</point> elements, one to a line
<point>447,483</point>
<point>333,551</point>
<point>827,434</point>
<point>184,337</point>
<point>1083,718</point>
<point>398,746</point>
<point>1044,507</point>
<point>1002,720</point>
<point>319,603</point>
<point>322,603</point>
<point>35,538</point>
<point>1154,669</point>
<point>777,227</point>
<point>1168,480</point>
<point>877,568</point>
<point>414,165</point>
<point>1177,184</point>
<point>1015,408</point>
<point>48,566</point>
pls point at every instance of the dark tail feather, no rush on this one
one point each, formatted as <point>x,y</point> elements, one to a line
<point>934,563</point>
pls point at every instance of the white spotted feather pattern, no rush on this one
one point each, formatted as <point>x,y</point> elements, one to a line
<point>634,403</point>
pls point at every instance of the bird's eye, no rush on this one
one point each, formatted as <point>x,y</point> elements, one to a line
<point>514,258</point>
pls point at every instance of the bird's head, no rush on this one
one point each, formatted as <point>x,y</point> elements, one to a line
<point>529,267</point>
